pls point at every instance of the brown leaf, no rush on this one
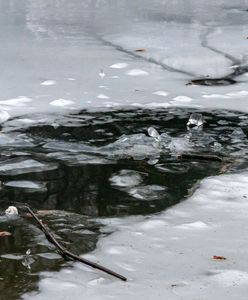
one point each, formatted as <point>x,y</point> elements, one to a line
<point>219,257</point>
<point>4,233</point>
<point>140,50</point>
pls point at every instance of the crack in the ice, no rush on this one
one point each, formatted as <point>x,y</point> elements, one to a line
<point>144,58</point>
<point>238,66</point>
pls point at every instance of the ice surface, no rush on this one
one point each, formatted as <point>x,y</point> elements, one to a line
<point>180,44</point>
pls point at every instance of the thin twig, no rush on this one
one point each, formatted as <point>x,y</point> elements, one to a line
<point>67,254</point>
<point>200,157</point>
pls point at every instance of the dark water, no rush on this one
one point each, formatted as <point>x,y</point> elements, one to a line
<point>90,165</point>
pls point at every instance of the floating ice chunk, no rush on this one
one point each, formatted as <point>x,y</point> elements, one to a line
<point>137,72</point>
<point>195,121</point>
<point>216,146</point>
<point>48,82</point>
<point>4,116</point>
<point>137,146</point>
<point>182,99</point>
<point>101,74</point>
<point>102,96</point>
<point>119,66</point>
<point>61,102</point>
<point>180,145</point>
<point>126,178</point>
<point>148,192</point>
<point>71,79</point>
<point>11,211</point>
<point>152,161</point>
<point>17,166</point>
<point>154,133</point>
<point>161,93</point>
<point>238,133</point>
<point>25,184</point>
<point>194,225</point>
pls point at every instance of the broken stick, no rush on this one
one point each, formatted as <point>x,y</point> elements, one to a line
<point>67,254</point>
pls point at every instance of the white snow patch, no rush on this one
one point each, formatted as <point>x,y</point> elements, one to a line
<point>194,225</point>
<point>102,96</point>
<point>48,82</point>
<point>61,102</point>
<point>182,99</point>
<point>119,66</point>
<point>161,93</point>
<point>137,72</point>
<point>219,96</point>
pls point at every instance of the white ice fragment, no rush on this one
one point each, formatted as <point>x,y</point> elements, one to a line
<point>161,93</point>
<point>182,99</point>
<point>126,178</point>
<point>101,74</point>
<point>96,281</point>
<point>154,134</point>
<point>137,72</point>
<point>195,120</point>
<point>119,66</point>
<point>61,102</point>
<point>217,146</point>
<point>24,184</point>
<point>71,79</point>
<point>11,211</point>
<point>148,192</point>
<point>48,82</point>
<point>102,96</point>
<point>152,161</point>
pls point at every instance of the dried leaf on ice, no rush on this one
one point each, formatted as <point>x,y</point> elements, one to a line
<point>219,257</point>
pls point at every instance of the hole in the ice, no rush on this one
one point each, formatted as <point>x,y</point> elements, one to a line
<point>212,81</point>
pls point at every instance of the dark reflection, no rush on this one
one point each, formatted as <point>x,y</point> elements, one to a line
<point>100,164</point>
<point>212,81</point>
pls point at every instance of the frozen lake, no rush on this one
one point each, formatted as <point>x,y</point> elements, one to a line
<point>81,83</point>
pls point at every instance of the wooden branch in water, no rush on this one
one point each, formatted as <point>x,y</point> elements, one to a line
<point>67,254</point>
<point>200,157</point>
